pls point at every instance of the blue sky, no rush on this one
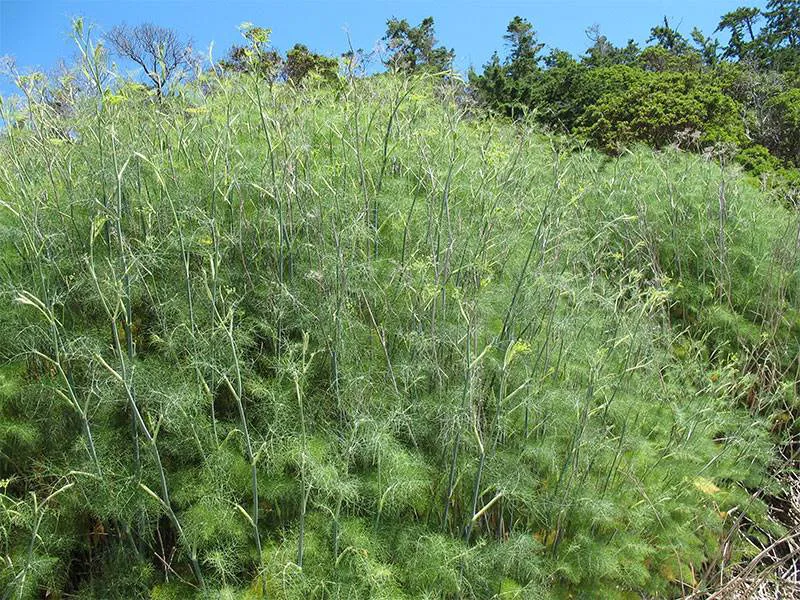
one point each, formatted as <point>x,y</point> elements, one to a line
<point>36,32</point>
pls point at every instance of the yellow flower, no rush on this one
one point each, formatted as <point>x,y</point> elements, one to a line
<point>706,486</point>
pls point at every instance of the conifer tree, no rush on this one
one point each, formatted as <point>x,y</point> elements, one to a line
<point>741,24</point>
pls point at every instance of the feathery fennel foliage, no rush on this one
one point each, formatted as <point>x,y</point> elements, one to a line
<point>355,342</point>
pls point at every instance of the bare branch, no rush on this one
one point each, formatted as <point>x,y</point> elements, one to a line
<point>159,51</point>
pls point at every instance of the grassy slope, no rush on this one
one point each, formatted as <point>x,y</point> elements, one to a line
<point>465,359</point>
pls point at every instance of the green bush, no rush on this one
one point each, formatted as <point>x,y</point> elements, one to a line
<point>656,107</point>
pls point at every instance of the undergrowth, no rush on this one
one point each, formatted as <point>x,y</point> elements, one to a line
<point>359,342</point>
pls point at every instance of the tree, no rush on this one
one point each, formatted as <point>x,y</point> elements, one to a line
<point>602,53</point>
<point>783,22</point>
<point>414,48</point>
<point>301,62</point>
<point>741,23</point>
<point>524,57</point>
<point>707,47</point>
<point>668,38</point>
<point>782,33</point>
<point>159,51</point>
<point>513,87</point>
<point>493,86</point>
<point>560,89</point>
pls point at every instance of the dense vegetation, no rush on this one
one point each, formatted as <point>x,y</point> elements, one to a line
<point>285,332</point>
<point>745,93</point>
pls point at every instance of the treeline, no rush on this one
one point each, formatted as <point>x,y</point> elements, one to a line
<point>693,91</point>
<point>741,98</point>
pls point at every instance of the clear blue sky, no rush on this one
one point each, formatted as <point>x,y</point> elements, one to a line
<point>36,32</point>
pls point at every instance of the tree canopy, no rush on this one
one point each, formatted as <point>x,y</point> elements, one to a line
<point>414,49</point>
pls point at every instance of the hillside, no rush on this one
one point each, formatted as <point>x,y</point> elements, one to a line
<point>359,341</point>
